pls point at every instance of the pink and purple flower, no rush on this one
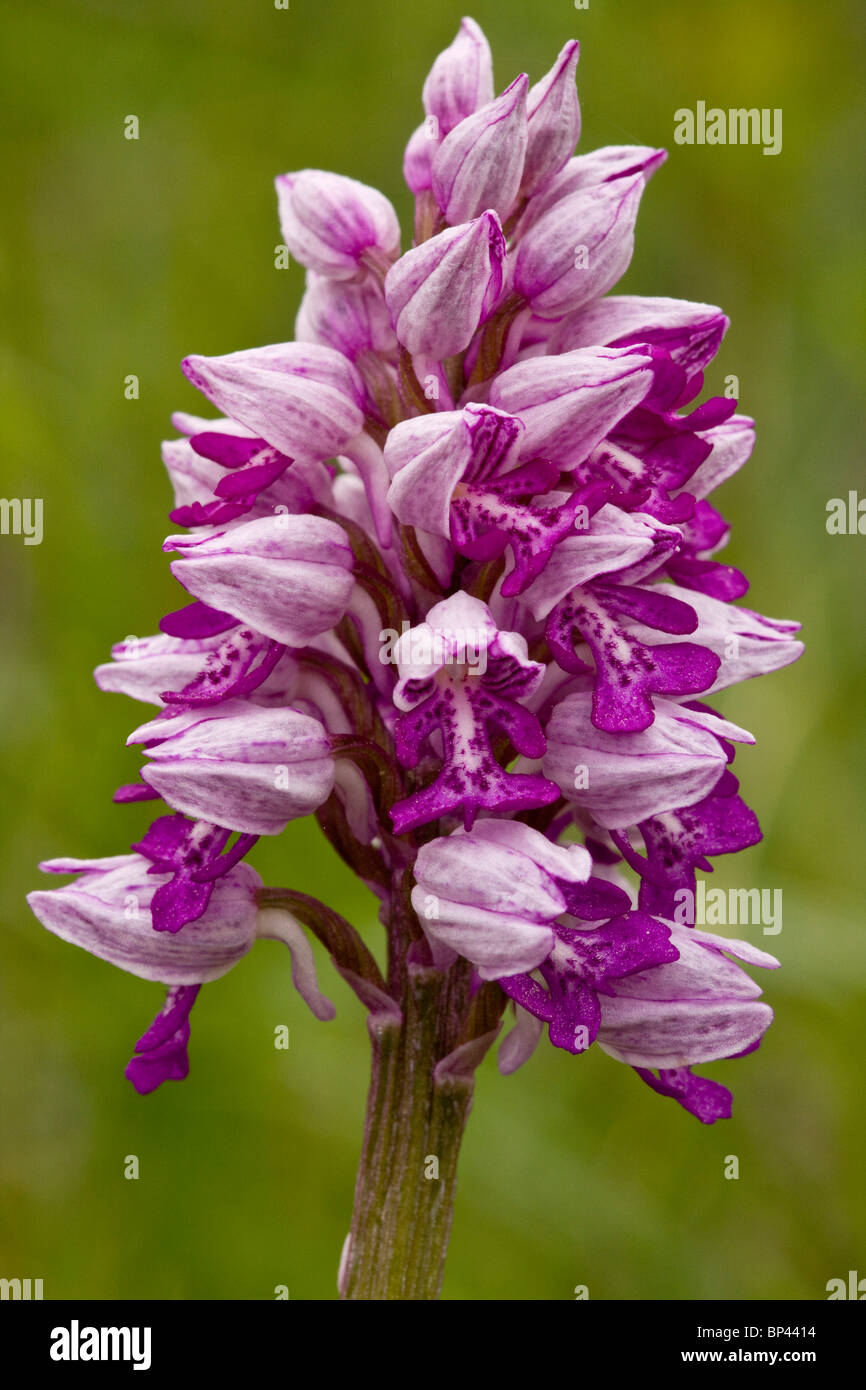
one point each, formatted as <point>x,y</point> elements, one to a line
<point>454,588</point>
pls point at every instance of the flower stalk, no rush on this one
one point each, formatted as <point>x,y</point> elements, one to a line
<point>416,1115</point>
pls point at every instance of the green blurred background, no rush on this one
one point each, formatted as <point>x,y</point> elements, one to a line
<point>120,257</point>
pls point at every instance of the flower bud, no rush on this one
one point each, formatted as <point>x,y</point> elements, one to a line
<point>350,318</point>
<point>418,158</point>
<point>241,766</point>
<point>553,121</point>
<point>579,249</point>
<point>289,577</point>
<point>304,399</point>
<point>480,164</point>
<point>605,165</point>
<point>438,293</point>
<point>460,80</point>
<point>329,221</point>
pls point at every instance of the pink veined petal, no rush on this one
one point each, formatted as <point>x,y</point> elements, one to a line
<point>110,918</point>
<point>287,576</point>
<point>498,943</point>
<point>654,1033</point>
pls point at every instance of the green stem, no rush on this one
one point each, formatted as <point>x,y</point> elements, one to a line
<point>407,1177</point>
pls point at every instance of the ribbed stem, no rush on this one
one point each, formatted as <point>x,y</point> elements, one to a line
<point>407,1177</point>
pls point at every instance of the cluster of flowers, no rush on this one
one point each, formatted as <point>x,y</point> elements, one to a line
<point>474,446</point>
